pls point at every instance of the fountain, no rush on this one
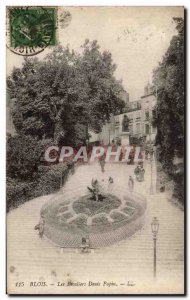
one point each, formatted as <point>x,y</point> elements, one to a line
<point>101,217</point>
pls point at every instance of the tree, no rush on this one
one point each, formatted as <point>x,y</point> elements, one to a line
<point>169,119</point>
<point>60,96</point>
<point>104,91</point>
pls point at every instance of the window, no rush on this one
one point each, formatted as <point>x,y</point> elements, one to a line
<point>134,105</point>
<point>146,115</point>
<point>117,132</point>
<point>154,113</point>
<point>138,105</point>
<point>130,116</point>
<point>131,129</point>
<point>147,129</point>
<point>138,128</point>
<point>153,129</point>
<point>138,115</point>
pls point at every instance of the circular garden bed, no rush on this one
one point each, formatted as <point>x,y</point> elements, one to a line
<point>103,222</point>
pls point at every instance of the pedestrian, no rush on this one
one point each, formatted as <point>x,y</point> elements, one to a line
<point>146,154</point>
<point>131,183</point>
<point>142,171</point>
<point>85,245</point>
<point>40,227</point>
<point>102,163</point>
<point>137,172</point>
<point>110,180</point>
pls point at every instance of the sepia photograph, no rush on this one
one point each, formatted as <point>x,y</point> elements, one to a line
<point>95,120</point>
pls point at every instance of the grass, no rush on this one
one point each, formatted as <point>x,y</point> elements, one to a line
<point>90,207</point>
<point>102,220</point>
<point>66,216</point>
<point>63,209</point>
<point>116,216</point>
<point>129,210</point>
<point>80,221</point>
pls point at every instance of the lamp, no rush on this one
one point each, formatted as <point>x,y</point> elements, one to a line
<point>155,226</point>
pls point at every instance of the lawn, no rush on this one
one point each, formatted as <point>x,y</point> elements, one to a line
<point>90,207</point>
<point>58,213</point>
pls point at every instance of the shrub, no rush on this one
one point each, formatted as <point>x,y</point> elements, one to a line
<point>23,157</point>
<point>179,187</point>
<point>18,192</point>
<point>52,178</point>
<point>48,181</point>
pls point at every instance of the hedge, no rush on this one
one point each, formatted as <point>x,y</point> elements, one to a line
<point>179,187</point>
<point>48,180</point>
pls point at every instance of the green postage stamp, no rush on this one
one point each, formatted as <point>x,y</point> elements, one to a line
<point>31,29</point>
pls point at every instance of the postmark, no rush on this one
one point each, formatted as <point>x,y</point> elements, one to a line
<point>65,18</point>
<point>31,29</point>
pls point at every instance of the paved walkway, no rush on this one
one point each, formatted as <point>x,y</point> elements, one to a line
<point>32,259</point>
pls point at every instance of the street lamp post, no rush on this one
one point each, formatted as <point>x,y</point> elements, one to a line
<point>61,182</point>
<point>155,227</point>
<point>87,142</point>
<point>151,172</point>
<point>151,159</point>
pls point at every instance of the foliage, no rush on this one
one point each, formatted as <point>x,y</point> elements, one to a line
<point>179,186</point>
<point>48,181</point>
<point>101,220</point>
<point>23,156</point>
<point>62,95</point>
<point>169,119</point>
<point>117,217</point>
<point>80,221</point>
<point>137,141</point>
<point>65,216</point>
<point>169,81</point>
<point>18,192</point>
<point>55,101</point>
<point>129,210</point>
<point>86,205</point>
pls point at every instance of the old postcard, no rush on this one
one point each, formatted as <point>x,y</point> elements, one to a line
<point>95,150</point>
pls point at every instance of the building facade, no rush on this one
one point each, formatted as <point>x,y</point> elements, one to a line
<point>140,114</point>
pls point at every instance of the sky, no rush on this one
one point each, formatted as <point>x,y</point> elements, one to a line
<point>137,38</point>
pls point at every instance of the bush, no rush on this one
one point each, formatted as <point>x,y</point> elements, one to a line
<point>48,181</point>
<point>179,187</point>
<point>23,157</point>
<point>52,178</point>
<point>18,192</point>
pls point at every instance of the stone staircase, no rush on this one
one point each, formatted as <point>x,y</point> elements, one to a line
<point>35,258</point>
